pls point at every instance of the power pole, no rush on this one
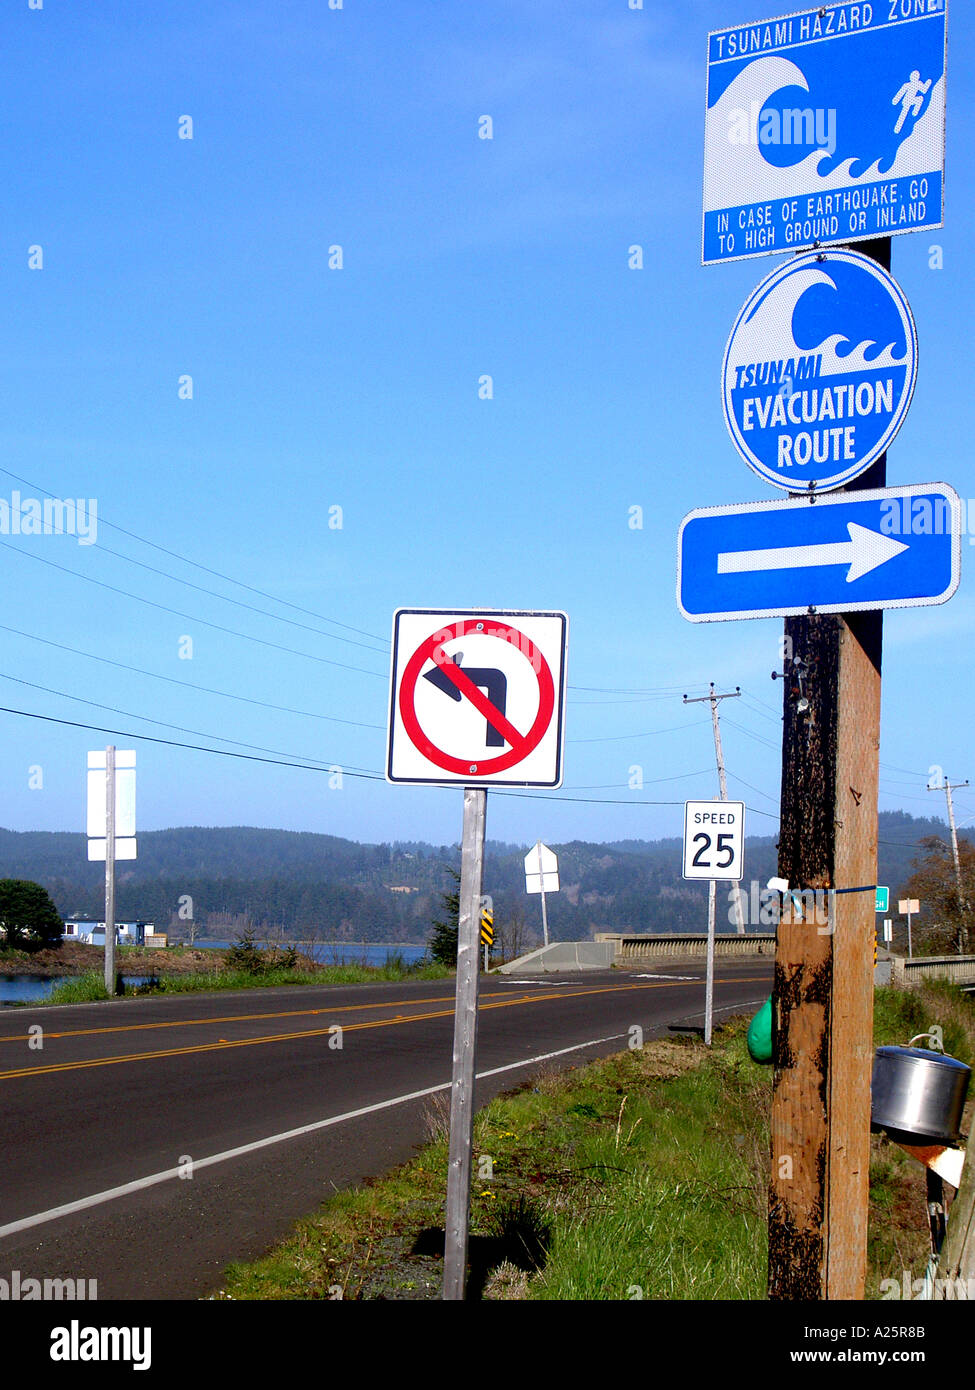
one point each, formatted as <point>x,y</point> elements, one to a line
<point>822,1011</point>
<point>713,699</point>
<point>962,903</point>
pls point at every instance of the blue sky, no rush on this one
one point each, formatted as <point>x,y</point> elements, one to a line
<point>316,388</point>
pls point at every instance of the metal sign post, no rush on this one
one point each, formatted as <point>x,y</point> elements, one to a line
<point>907,908</point>
<point>709,982</point>
<point>110,870</point>
<point>541,889</point>
<point>542,876</point>
<point>465,1042</point>
<point>476,699</point>
<point>714,848</point>
<point>111,829</point>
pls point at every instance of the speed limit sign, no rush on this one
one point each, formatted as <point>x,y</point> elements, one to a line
<point>714,840</point>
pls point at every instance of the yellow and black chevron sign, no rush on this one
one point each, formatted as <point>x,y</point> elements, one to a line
<point>487,927</point>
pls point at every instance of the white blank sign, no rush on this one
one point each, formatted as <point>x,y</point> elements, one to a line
<point>541,870</point>
<point>125,844</point>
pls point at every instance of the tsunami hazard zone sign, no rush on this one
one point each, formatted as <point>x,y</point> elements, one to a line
<point>477,697</point>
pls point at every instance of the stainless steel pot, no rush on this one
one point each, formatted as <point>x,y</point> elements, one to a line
<point>918,1094</point>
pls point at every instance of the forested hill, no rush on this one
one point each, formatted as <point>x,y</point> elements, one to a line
<point>321,885</point>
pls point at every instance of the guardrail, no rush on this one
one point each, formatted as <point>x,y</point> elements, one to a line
<point>635,948</point>
<point>958,969</point>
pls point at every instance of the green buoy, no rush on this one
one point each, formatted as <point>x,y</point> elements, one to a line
<point>760,1034</point>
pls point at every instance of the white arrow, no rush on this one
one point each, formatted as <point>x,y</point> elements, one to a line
<point>865,551</point>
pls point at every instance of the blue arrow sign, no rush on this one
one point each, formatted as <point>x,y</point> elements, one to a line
<point>842,553</point>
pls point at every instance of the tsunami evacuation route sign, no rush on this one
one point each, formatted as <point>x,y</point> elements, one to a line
<point>477,698</point>
<point>819,370</point>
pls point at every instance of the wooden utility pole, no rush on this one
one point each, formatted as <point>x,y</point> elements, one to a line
<point>822,1015</point>
<point>963,906</point>
<point>713,699</point>
<point>465,1042</point>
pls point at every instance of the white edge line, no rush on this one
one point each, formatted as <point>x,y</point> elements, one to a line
<point>137,1185</point>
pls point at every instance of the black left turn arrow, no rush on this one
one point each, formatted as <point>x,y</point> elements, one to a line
<point>486,678</point>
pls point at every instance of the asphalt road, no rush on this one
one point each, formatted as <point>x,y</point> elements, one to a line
<point>167,1126</point>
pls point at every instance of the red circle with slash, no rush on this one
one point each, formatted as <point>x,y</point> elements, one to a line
<point>521,744</point>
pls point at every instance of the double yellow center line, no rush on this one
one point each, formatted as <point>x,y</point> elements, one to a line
<point>488,1002</point>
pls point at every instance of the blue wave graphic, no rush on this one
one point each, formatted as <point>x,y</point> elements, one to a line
<point>866,94</point>
<point>857,307</point>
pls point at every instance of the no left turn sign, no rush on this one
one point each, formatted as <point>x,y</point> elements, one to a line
<point>477,697</point>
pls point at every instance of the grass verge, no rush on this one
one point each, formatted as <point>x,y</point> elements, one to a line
<point>91,985</point>
<point>641,1176</point>
<point>88,987</point>
<point>325,975</point>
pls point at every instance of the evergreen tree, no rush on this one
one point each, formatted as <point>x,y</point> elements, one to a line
<point>28,918</point>
<point>443,941</point>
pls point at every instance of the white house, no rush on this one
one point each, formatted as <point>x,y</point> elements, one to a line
<point>93,933</point>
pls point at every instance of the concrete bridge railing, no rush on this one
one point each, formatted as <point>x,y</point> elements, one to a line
<point>959,969</point>
<point>637,948</point>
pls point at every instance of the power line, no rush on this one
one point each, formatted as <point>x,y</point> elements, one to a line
<point>649,733</point>
<point>760,708</point>
<point>649,782</point>
<point>657,692</point>
<point>175,743</point>
<point>179,728</point>
<point>759,738</point>
<point>261,641</point>
<point>758,791</point>
<point>188,685</point>
<point>307,767</point>
<point>628,700</point>
<point>238,603</point>
<point>175,555</point>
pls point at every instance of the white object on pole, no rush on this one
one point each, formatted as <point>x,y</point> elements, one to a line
<point>125,841</point>
<point>542,876</point>
<point>541,870</point>
<point>888,930</point>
